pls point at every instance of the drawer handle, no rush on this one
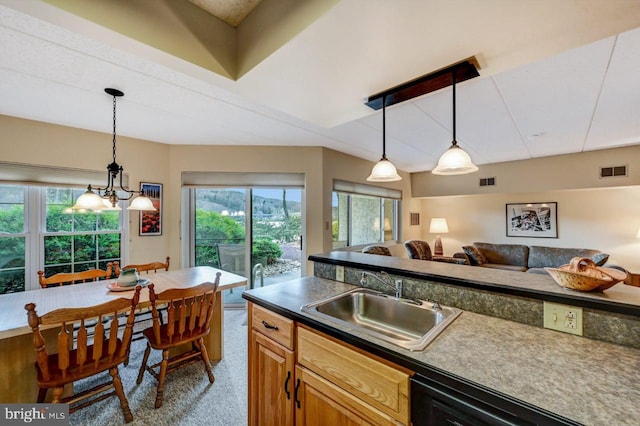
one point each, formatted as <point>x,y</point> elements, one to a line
<point>286,385</point>
<point>296,393</point>
<point>269,326</point>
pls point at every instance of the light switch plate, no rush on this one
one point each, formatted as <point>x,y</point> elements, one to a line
<point>563,318</point>
<point>340,273</point>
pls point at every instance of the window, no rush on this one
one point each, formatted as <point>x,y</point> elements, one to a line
<point>38,231</point>
<point>361,219</point>
<point>12,239</point>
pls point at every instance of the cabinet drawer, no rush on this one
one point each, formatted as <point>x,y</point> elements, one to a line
<point>372,381</point>
<point>273,325</point>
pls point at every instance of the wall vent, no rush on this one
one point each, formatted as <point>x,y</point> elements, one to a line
<point>490,181</point>
<point>613,171</point>
<point>414,219</point>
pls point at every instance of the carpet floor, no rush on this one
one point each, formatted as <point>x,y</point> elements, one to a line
<point>189,398</point>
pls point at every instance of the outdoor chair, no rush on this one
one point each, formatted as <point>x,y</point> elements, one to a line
<point>189,312</point>
<point>231,258</point>
<point>64,278</point>
<point>79,356</point>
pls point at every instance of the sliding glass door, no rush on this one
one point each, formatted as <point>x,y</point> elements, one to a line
<point>276,245</point>
<point>255,233</point>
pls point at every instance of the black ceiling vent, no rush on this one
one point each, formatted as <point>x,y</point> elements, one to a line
<point>613,171</point>
<point>490,181</point>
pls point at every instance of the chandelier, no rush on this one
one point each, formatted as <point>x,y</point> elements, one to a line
<point>107,198</point>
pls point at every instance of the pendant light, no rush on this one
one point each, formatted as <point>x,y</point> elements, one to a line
<point>384,170</point>
<point>107,198</point>
<point>454,161</point>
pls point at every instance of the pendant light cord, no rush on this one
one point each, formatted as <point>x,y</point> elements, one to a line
<point>384,128</point>
<point>114,129</point>
<point>453,75</point>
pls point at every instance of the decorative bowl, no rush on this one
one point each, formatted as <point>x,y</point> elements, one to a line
<point>583,275</point>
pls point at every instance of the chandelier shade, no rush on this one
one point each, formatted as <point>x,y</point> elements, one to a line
<point>107,198</point>
<point>454,161</point>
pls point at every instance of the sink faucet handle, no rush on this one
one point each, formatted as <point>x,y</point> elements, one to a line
<point>436,305</point>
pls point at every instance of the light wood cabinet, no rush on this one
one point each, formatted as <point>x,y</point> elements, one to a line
<point>302,377</point>
<point>323,403</point>
<point>271,369</point>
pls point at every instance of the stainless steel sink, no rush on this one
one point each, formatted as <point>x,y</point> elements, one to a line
<point>410,324</point>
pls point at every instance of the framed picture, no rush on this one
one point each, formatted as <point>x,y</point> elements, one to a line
<point>151,222</point>
<point>538,220</point>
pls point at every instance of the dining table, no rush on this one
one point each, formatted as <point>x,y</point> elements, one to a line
<point>17,353</point>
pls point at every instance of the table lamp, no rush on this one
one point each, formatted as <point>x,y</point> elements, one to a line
<point>438,226</point>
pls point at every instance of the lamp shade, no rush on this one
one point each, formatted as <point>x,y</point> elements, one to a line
<point>454,161</point>
<point>142,203</point>
<point>384,171</point>
<point>438,225</point>
<point>89,201</point>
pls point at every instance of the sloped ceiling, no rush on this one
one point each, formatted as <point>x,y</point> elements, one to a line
<point>556,77</point>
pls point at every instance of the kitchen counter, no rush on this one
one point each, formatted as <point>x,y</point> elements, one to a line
<point>621,298</point>
<point>587,381</point>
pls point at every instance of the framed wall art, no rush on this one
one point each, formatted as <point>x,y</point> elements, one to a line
<point>151,222</point>
<point>539,220</point>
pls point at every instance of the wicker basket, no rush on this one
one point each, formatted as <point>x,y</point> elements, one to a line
<point>583,275</point>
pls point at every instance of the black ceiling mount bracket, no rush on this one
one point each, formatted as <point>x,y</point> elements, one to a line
<point>464,70</point>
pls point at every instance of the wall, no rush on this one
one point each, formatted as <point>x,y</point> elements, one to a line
<point>34,142</point>
<point>603,219</point>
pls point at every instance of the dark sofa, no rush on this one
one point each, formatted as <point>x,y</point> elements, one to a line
<point>519,257</point>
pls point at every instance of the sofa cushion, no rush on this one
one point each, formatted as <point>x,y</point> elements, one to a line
<point>504,254</point>
<point>552,257</point>
<point>475,257</point>
<point>600,259</point>
<point>505,267</point>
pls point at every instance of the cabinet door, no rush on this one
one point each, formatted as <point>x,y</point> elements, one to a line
<point>271,382</point>
<point>321,403</point>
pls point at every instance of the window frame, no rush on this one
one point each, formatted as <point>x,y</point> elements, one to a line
<point>34,231</point>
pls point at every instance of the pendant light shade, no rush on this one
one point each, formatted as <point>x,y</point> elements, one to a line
<point>454,161</point>
<point>384,170</point>
<point>107,198</point>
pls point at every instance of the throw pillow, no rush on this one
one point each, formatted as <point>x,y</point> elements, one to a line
<point>476,258</point>
<point>600,258</point>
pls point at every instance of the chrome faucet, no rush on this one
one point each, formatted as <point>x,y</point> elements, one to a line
<point>385,279</point>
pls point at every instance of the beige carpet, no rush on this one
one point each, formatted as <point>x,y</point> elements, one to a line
<point>189,398</point>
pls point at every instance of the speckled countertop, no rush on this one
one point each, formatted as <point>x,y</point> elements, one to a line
<point>588,381</point>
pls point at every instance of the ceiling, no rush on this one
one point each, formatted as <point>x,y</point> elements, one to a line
<point>555,77</point>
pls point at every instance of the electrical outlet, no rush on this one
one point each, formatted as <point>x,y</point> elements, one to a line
<point>340,273</point>
<point>563,318</point>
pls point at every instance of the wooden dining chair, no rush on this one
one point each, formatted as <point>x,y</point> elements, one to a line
<point>148,267</point>
<point>65,278</point>
<point>76,356</point>
<point>189,312</point>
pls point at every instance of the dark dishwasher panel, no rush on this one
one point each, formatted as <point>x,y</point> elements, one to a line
<point>444,401</point>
